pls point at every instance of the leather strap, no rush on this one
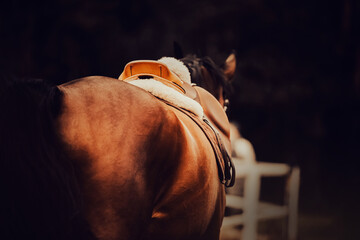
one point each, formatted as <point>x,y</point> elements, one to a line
<point>191,92</point>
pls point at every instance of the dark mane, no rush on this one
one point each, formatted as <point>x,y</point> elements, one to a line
<point>194,64</point>
<point>40,195</point>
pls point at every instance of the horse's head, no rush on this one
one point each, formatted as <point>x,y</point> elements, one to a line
<point>215,79</point>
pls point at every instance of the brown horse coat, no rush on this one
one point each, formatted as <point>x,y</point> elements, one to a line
<point>146,170</point>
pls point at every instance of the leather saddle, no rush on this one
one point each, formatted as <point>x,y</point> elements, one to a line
<point>214,123</point>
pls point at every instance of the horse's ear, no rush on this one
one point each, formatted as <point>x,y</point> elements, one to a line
<point>229,66</point>
<point>178,53</point>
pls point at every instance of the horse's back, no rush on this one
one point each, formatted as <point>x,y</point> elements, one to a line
<point>145,169</point>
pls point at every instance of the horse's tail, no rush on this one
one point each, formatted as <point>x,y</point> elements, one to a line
<point>40,196</point>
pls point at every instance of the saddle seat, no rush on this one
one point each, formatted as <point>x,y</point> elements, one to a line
<point>148,69</point>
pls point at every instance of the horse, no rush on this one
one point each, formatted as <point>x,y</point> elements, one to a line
<point>105,158</point>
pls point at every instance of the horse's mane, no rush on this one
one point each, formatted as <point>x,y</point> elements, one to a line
<point>194,64</point>
<point>40,197</point>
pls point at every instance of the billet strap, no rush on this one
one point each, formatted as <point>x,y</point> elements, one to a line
<point>226,169</point>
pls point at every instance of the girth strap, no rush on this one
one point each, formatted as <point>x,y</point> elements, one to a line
<point>228,173</point>
<point>225,166</point>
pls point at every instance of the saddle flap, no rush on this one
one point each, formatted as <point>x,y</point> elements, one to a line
<point>216,115</point>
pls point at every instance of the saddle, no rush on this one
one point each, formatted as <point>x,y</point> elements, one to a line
<point>214,123</point>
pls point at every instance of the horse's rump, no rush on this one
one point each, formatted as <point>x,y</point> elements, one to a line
<point>145,167</point>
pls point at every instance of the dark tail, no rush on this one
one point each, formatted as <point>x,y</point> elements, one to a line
<point>40,197</point>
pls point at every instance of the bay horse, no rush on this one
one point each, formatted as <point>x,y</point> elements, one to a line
<point>102,158</point>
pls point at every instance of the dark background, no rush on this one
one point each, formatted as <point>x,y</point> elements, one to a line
<point>297,89</point>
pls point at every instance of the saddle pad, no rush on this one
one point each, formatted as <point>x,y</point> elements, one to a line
<point>169,94</point>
